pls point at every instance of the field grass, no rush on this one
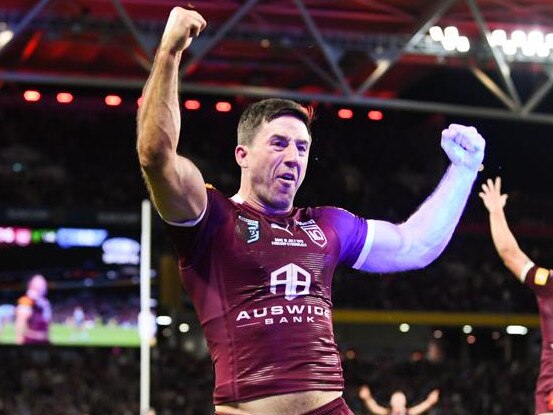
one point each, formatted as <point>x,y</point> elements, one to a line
<point>67,335</point>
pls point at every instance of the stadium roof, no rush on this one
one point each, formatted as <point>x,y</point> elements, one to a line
<point>356,52</point>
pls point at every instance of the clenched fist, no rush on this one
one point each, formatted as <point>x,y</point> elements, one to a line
<point>464,146</point>
<point>182,26</point>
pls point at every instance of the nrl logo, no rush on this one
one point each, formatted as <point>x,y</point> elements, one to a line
<point>248,229</point>
<point>314,232</point>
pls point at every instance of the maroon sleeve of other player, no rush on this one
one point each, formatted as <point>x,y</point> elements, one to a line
<point>539,280</point>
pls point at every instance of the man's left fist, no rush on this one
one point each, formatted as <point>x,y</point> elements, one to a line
<point>464,146</point>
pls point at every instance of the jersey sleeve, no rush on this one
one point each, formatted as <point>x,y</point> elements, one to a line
<point>356,236</point>
<point>538,279</point>
<point>25,302</point>
<point>188,237</point>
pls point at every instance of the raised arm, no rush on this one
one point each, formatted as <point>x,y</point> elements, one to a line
<point>418,241</point>
<point>366,396</point>
<point>22,314</point>
<point>504,240</point>
<point>429,402</point>
<point>176,185</point>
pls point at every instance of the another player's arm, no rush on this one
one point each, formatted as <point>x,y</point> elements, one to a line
<point>23,312</point>
<point>367,398</point>
<point>429,402</point>
<point>176,185</point>
<point>421,239</point>
<point>505,243</point>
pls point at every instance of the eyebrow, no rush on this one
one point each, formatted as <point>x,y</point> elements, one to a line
<point>287,138</point>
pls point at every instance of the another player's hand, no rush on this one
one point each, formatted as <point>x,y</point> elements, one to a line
<point>464,146</point>
<point>182,26</point>
<point>434,396</point>
<point>364,392</point>
<point>491,195</point>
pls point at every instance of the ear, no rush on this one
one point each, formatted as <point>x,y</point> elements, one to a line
<point>241,153</point>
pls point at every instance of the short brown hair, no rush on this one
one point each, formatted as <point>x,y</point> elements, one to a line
<point>267,110</point>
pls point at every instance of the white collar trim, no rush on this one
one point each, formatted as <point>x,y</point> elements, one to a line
<point>237,199</point>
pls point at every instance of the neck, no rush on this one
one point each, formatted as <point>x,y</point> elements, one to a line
<point>258,204</point>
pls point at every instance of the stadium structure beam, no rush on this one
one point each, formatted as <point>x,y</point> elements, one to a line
<point>25,22</point>
<point>498,56</point>
<point>325,48</point>
<point>317,69</point>
<point>135,32</point>
<point>539,95</point>
<point>385,65</point>
<point>212,41</point>
<point>262,92</point>
<point>491,86</point>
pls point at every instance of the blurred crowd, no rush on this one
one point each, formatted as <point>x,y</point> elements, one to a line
<point>73,158</point>
<point>64,381</point>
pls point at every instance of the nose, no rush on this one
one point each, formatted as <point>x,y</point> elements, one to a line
<point>291,156</point>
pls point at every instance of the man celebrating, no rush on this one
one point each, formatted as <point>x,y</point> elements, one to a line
<point>33,313</point>
<point>398,403</point>
<point>537,278</point>
<point>259,270</point>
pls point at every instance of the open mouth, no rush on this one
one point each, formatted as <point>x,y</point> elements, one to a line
<point>288,177</point>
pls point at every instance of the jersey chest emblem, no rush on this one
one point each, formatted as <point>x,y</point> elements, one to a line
<point>248,229</point>
<point>314,232</point>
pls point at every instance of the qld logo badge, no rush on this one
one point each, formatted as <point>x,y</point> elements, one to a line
<point>314,232</point>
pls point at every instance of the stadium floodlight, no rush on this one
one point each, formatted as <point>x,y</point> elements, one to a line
<point>536,37</point>
<point>164,320</point>
<point>436,33</point>
<point>509,47</point>
<point>529,49</point>
<point>519,37</point>
<point>499,36</point>
<point>449,43</point>
<point>517,330</point>
<point>543,50</point>
<point>462,44</point>
<point>5,37</point>
<point>451,32</point>
<point>549,40</point>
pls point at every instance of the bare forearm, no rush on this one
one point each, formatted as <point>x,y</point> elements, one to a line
<point>159,114</point>
<point>504,241</point>
<point>374,407</point>
<point>430,228</point>
<point>20,328</point>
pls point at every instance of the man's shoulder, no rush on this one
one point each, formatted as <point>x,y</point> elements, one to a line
<point>25,300</point>
<point>326,212</point>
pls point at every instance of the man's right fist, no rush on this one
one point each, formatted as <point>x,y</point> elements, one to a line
<point>182,26</point>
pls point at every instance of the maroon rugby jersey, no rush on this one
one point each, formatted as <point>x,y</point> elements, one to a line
<point>539,279</point>
<point>39,320</point>
<point>261,286</point>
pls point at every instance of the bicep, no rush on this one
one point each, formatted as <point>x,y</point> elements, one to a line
<point>516,261</point>
<point>177,189</point>
<point>387,250</point>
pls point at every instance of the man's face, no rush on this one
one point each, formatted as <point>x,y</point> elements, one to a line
<point>277,161</point>
<point>38,285</point>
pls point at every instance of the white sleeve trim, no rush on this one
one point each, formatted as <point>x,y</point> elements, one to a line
<point>525,270</point>
<point>188,223</point>
<point>369,239</point>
